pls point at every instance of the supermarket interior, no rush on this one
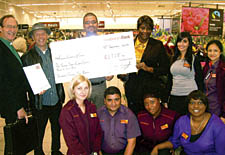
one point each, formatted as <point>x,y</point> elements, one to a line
<point>65,19</point>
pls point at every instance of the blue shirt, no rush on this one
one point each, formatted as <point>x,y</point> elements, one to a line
<point>50,97</point>
<point>118,128</point>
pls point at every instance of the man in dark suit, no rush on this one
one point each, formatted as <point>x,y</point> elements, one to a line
<point>13,81</point>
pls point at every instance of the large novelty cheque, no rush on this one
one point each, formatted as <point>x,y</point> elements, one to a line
<point>93,57</point>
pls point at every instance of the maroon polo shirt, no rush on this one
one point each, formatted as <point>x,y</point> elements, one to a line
<point>155,131</point>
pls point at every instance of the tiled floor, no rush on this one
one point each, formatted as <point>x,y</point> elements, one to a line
<point>47,138</point>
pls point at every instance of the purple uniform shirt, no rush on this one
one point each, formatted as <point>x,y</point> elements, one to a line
<point>220,83</point>
<point>211,141</point>
<point>211,90</point>
<point>155,131</point>
<point>82,133</point>
<point>118,128</point>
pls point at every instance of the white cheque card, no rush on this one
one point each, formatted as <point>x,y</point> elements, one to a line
<point>93,57</point>
<point>36,78</point>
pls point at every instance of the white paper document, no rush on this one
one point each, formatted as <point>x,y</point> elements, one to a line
<point>93,57</point>
<point>36,78</point>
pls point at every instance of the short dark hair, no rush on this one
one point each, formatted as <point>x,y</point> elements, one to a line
<point>145,20</point>
<point>112,90</point>
<point>155,93</point>
<point>198,95</point>
<point>4,17</point>
<point>89,14</point>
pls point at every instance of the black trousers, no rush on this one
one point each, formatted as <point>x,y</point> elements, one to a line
<point>50,113</point>
<point>178,104</point>
<point>118,153</point>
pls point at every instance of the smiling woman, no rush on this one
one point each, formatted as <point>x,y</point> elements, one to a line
<point>79,121</point>
<point>214,78</point>
<point>185,73</point>
<point>199,132</point>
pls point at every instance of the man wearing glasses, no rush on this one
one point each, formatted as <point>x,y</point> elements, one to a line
<point>90,24</point>
<point>13,81</point>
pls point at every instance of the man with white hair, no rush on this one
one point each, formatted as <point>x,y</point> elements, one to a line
<point>48,104</point>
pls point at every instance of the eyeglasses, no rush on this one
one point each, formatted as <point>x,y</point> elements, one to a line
<point>11,26</point>
<point>90,22</point>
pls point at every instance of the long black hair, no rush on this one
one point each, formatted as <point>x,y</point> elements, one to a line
<point>188,55</point>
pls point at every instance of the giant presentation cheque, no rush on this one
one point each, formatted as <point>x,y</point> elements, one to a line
<point>93,57</point>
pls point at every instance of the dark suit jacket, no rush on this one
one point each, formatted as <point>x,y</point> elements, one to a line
<point>154,56</point>
<point>13,84</point>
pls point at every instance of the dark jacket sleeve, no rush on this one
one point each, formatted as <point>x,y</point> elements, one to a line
<point>198,74</point>
<point>13,84</point>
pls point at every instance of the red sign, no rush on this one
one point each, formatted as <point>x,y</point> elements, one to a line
<point>101,24</point>
<point>51,24</point>
<point>195,20</point>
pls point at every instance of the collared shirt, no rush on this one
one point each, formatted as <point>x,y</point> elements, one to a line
<point>118,128</point>
<point>82,132</point>
<point>158,130</point>
<point>50,97</point>
<point>211,89</point>
<point>12,49</point>
<point>139,49</point>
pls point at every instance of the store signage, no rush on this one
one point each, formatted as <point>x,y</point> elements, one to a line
<point>95,56</point>
<point>23,26</point>
<point>216,21</point>
<point>51,24</point>
<point>101,24</point>
<point>195,20</point>
<point>202,21</point>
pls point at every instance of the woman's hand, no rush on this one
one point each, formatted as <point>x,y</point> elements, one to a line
<point>144,67</point>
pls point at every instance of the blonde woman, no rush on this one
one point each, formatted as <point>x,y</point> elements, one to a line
<point>79,121</point>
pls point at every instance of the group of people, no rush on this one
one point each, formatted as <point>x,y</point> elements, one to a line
<point>173,102</point>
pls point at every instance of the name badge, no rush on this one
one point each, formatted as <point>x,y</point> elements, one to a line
<point>75,115</point>
<point>144,123</point>
<point>124,121</point>
<point>213,75</point>
<point>184,135</point>
<point>187,65</point>
<point>165,126</point>
<point>93,115</point>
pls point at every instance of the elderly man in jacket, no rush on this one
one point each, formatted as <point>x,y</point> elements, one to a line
<point>47,104</point>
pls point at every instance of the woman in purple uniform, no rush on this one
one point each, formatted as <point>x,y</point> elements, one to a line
<point>198,132</point>
<point>214,78</point>
<point>79,121</point>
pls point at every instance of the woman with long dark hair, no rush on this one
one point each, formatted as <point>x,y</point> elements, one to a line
<point>186,73</point>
